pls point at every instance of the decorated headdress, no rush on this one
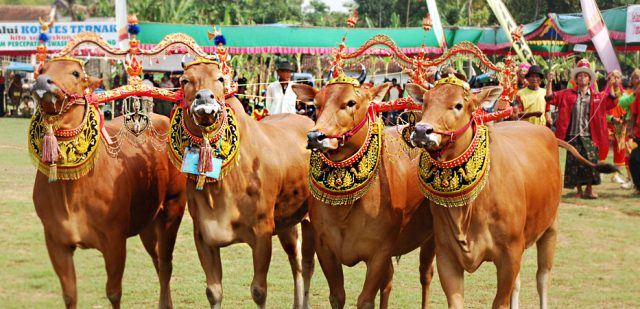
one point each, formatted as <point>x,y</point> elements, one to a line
<point>584,66</point>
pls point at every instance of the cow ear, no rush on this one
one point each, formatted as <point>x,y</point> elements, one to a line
<point>416,92</point>
<point>487,95</point>
<point>378,92</point>
<point>304,92</point>
<point>94,83</point>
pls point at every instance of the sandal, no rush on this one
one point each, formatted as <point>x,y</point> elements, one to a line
<point>578,195</point>
<point>591,196</point>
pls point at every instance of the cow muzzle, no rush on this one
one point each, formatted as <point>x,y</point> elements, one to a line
<point>205,108</point>
<point>47,94</point>
<point>423,136</point>
<point>317,141</point>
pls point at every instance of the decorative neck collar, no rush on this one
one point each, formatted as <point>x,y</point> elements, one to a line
<point>68,133</point>
<point>225,145</point>
<point>67,159</point>
<point>459,181</point>
<point>344,182</point>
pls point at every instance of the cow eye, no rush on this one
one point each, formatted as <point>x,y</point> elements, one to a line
<point>76,74</point>
<point>184,81</point>
<point>221,79</point>
<point>458,106</point>
<point>351,103</point>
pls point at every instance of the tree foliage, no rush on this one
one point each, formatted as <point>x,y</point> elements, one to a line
<point>373,13</point>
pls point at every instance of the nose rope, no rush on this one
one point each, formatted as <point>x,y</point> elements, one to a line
<point>452,138</point>
<point>69,99</point>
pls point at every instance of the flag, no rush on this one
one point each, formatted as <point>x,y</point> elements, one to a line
<point>121,24</point>
<point>437,25</point>
<point>508,25</point>
<point>599,34</point>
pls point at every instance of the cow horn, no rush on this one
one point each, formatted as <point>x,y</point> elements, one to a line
<point>330,75</point>
<point>363,74</point>
<point>182,61</point>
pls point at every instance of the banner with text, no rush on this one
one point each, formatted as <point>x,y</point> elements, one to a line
<point>633,24</point>
<point>16,37</point>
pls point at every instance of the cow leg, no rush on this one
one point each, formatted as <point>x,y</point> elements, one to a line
<point>377,270</point>
<point>211,264</point>
<point>261,260</point>
<point>289,241</point>
<point>114,258</point>
<point>159,240</point>
<point>427,254</point>
<point>451,276</point>
<point>62,260</point>
<point>546,246</point>
<point>308,255</point>
<point>515,294</point>
<point>385,288</point>
<point>332,270</point>
<point>508,266</point>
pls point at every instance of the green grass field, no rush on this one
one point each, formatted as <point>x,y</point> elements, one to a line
<point>595,265</point>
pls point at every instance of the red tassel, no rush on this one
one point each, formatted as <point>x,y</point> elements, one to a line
<point>50,146</point>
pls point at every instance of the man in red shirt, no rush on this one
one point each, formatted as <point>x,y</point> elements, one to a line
<point>582,122</point>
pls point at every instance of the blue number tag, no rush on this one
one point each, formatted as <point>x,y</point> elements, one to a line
<point>190,163</point>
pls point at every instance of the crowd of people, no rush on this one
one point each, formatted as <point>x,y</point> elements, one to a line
<point>591,120</point>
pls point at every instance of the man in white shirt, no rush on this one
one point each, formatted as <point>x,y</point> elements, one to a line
<point>280,96</point>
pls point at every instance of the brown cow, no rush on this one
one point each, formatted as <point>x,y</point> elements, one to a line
<point>392,218</point>
<point>139,192</point>
<point>516,208</point>
<point>265,194</point>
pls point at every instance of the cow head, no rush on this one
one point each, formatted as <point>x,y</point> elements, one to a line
<point>447,108</point>
<point>203,84</point>
<point>340,107</point>
<point>60,83</point>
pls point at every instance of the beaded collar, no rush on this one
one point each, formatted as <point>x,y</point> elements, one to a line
<point>227,141</point>
<point>344,182</point>
<point>78,147</point>
<point>459,181</point>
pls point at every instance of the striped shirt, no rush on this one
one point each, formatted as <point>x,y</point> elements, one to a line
<point>579,125</point>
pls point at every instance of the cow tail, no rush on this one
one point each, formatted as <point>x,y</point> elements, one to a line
<point>601,167</point>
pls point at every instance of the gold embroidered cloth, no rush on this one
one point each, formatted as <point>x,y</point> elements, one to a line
<point>461,183</point>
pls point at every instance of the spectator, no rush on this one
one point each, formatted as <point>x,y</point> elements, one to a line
<point>531,98</point>
<point>616,119</point>
<point>15,91</point>
<point>166,81</point>
<point>523,69</point>
<point>280,95</point>
<point>633,162</point>
<point>242,89</point>
<point>2,94</point>
<point>581,121</point>
<point>259,112</point>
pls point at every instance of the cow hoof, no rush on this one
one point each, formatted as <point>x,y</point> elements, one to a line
<point>214,298</point>
<point>259,295</point>
<point>335,303</point>
<point>68,301</point>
